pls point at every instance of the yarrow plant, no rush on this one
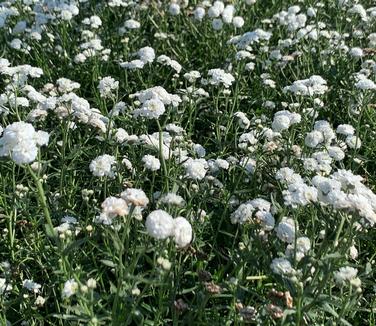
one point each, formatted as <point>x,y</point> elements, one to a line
<point>187,162</point>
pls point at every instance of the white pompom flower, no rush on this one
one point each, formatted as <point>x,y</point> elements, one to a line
<point>159,224</point>
<point>286,230</point>
<point>151,163</point>
<point>103,166</point>
<point>20,142</point>
<point>151,109</point>
<point>182,232</point>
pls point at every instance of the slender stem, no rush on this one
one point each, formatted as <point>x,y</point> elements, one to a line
<point>299,310</point>
<point>339,230</point>
<point>43,202</point>
<point>161,154</point>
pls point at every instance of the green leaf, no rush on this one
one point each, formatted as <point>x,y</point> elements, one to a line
<point>108,263</point>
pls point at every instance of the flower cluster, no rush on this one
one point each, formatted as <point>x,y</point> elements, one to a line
<point>20,141</point>
<point>161,225</point>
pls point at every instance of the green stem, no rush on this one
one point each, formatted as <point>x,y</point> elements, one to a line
<point>339,230</point>
<point>161,154</point>
<point>43,202</point>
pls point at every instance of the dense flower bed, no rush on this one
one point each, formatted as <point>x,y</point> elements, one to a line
<point>187,162</point>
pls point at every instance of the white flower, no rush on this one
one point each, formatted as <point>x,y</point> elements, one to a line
<point>103,166</point>
<point>199,13</point>
<point>128,164</point>
<point>249,164</point>
<point>20,141</point>
<point>121,135</point>
<point>195,168</point>
<point>70,288</point>
<point>16,44</point>
<point>353,142</point>
<point>238,22</point>
<point>113,207</point>
<point>39,301</point>
<point>17,132</point>
<point>219,76</point>
<point>282,266</point>
<point>25,152</point>
<point>93,21</point>
<point>160,94</point>
<point>199,150</point>
<point>41,138</point>
<point>280,123</point>
<point>214,12</point>
<point>174,9</point>
<point>182,232</point>
<point>345,129</point>
<point>353,252</point>
<point>91,283</point>
<point>107,86</point>
<point>151,163</point>
<point>132,24</point>
<point>265,219</point>
<point>174,129</point>
<point>365,84</point>
<point>80,58</point>
<point>159,224</point>
<point>152,141</point>
<point>146,54</point>
<point>359,10</point>
<point>151,109</point>
<point>192,76</point>
<point>243,121</point>
<point>167,61</point>
<point>288,176</point>
<point>284,119</point>
<point>63,228</point>
<point>219,4</point>
<point>315,85</point>
<point>299,194</point>
<point>345,274</point>
<point>217,165</point>
<point>172,200</point>
<point>256,36</point>
<point>31,286</point>
<point>311,12</point>
<point>134,64</point>
<point>314,138</point>
<point>303,245</point>
<point>242,54</point>
<point>336,153</point>
<point>269,82</point>
<point>165,263</point>
<point>4,286</point>
<point>356,52</point>
<point>250,66</point>
<point>243,214</point>
<point>228,14</point>
<point>136,197</point>
<point>286,230</point>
